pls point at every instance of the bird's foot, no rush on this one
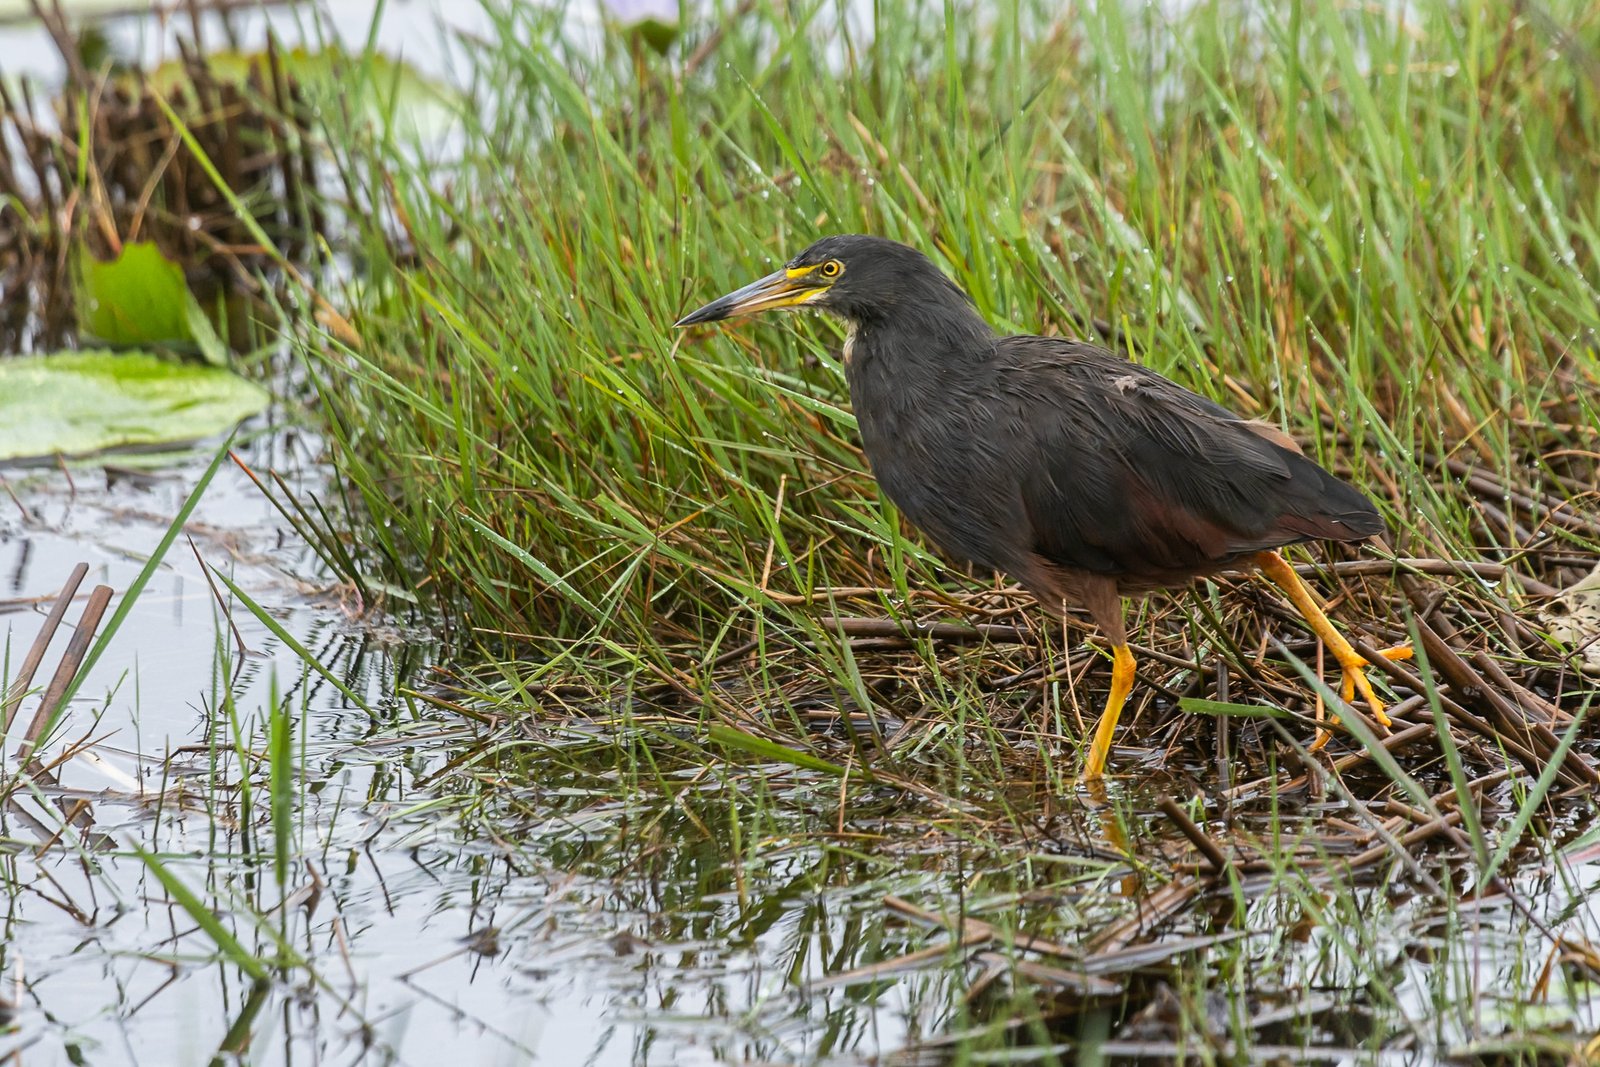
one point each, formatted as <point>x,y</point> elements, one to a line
<point>1355,680</point>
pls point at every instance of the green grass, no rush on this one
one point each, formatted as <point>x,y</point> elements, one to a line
<point>1382,235</point>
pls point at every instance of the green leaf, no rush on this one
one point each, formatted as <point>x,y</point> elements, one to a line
<point>371,85</point>
<point>82,402</point>
<point>730,737</point>
<point>1199,706</point>
<point>139,298</point>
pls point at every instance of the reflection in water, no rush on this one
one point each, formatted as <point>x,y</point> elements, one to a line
<point>551,891</point>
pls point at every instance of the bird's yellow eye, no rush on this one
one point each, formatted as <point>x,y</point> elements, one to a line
<point>832,269</point>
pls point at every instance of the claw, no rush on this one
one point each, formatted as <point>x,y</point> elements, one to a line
<point>1355,680</point>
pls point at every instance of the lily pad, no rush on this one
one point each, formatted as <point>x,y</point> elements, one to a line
<point>656,22</point>
<point>139,298</point>
<point>373,85</point>
<point>76,403</point>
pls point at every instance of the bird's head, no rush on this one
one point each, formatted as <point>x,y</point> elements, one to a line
<point>857,277</point>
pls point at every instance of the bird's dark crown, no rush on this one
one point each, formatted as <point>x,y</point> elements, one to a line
<point>876,277</point>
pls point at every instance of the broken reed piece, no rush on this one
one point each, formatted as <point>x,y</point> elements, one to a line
<point>852,626</point>
<point>1513,726</point>
<point>1215,857</point>
<point>66,669</point>
<point>41,643</point>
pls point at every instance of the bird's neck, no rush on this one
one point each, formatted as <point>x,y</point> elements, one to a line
<point>905,370</point>
<point>916,344</point>
<point>917,384</point>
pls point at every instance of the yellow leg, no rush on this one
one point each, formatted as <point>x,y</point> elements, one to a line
<point>1121,685</point>
<point>1355,668</point>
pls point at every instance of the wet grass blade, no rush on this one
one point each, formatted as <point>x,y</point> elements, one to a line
<point>1451,751</point>
<point>760,747</point>
<point>537,566</point>
<point>282,782</point>
<point>1536,796</point>
<point>203,916</point>
<point>236,1042</point>
<point>1202,706</point>
<point>278,631</point>
<point>136,587</point>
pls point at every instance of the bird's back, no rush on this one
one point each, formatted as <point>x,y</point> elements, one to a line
<point>1043,450</point>
<point>1123,472</point>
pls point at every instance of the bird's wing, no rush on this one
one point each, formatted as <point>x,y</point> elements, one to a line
<point>1128,473</point>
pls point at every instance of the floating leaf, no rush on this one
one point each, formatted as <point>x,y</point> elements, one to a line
<point>374,84</point>
<point>656,22</point>
<point>81,402</point>
<point>139,298</point>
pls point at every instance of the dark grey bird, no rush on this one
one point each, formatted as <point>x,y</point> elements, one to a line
<point>1083,476</point>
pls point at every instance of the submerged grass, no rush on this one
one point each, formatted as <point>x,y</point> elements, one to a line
<point>679,601</point>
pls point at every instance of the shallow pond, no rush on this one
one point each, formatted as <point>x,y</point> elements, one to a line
<point>427,931</point>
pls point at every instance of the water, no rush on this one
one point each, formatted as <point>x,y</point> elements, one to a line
<point>451,899</point>
<point>403,894</point>
<point>401,933</point>
<point>422,32</point>
<point>430,933</point>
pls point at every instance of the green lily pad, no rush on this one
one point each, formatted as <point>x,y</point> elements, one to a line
<point>374,85</point>
<point>22,10</point>
<point>139,298</point>
<point>81,402</point>
<point>656,33</point>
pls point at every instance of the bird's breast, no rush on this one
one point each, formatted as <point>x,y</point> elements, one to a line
<point>929,443</point>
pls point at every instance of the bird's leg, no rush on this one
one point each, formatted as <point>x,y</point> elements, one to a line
<point>1121,685</point>
<point>1105,605</point>
<point>1274,566</point>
